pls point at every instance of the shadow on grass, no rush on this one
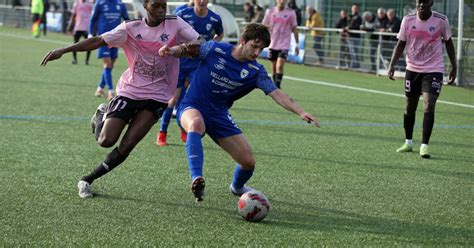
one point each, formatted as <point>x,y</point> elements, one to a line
<point>330,220</point>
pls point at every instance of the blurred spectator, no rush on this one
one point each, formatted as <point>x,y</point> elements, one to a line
<point>37,9</point>
<point>393,26</point>
<point>381,20</point>
<point>292,5</point>
<point>18,17</point>
<point>369,25</point>
<point>43,17</point>
<point>354,38</point>
<point>258,12</point>
<point>79,23</point>
<point>344,56</point>
<point>248,12</point>
<point>316,21</point>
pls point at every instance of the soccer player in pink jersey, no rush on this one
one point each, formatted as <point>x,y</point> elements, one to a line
<point>79,23</point>
<point>281,21</point>
<point>423,34</point>
<point>143,89</point>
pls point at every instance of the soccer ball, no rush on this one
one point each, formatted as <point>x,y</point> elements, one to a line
<point>253,206</point>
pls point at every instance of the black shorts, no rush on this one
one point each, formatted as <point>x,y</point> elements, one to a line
<point>79,34</point>
<point>416,83</point>
<point>125,108</point>
<point>273,55</point>
<point>36,17</point>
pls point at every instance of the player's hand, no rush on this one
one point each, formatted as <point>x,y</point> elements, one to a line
<point>309,118</point>
<point>165,51</point>
<point>391,73</point>
<point>452,75</point>
<point>297,49</point>
<point>52,55</point>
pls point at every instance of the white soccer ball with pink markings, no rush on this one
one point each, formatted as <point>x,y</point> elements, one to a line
<point>253,206</point>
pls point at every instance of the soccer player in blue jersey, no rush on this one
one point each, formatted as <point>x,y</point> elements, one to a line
<point>209,26</point>
<point>189,4</point>
<point>106,15</point>
<point>226,73</point>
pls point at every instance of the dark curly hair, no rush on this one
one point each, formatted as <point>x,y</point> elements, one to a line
<point>256,31</point>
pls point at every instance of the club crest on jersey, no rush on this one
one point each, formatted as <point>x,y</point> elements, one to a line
<point>118,7</point>
<point>413,27</point>
<point>244,73</point>
<point>164,37</point>
<point>139,37</point>
<point>432,29</point>
<point>208,26</point>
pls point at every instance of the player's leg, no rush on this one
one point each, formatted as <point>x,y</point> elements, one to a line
<point>88,53</point>
<point>412,94</point>
<point>77,37</point>
<point>139,126</point>
<point>239,149</point>
<point>280,67</point>
<point>273,56</point>
<point>102,53</point>
<point>432,83</point>
<point>166,118</point>
<point>192,121</point>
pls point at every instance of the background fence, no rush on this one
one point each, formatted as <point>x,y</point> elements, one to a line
<point>371,53</point>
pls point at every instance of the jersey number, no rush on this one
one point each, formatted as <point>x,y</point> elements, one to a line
<point>407,86</point>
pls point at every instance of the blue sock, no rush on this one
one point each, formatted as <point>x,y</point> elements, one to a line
<point>241,176</point>
<point>102,82</point>
<point>165,119</point>
<point>195,154</point>
<point>108,78</point>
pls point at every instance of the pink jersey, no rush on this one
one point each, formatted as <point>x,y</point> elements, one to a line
<point>282,24</point>
<point>424,48</point>
<point>149,76</point>
<point>83,11</point>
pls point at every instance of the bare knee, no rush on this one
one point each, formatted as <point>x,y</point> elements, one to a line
<point>103,141</point>
<point>196,125</point>
<point>247,162</point>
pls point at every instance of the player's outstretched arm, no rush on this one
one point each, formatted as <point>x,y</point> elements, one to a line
<point>397,53</point>
<point>286,102</point>
<point>190,49</point>
<point>85,45</point>
<point>452,57</point>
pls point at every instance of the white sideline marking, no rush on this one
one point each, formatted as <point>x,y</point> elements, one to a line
<point>369,90</point>
<point>288,77</point>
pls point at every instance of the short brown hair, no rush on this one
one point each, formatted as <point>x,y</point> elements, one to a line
<point>256,31</point>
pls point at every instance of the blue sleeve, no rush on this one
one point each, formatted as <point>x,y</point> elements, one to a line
<point>125,13</point>
<point>219,28</point>
<point>205,48</point>
<point>264,82</point>
<point>94,17</point>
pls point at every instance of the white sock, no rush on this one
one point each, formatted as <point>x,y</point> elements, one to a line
<point>409,142</point>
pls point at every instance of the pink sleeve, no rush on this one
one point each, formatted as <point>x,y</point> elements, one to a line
<point>186,32</point>
<point>74,8</point>
<point>446,30</point>
<point>266,18</point>
<point>294,23</point>
<point>117,36</point>
<point>402,34</point>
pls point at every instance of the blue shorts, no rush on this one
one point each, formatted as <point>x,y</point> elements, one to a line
<point>183,74</point>
<point>218,124</point>
<point>107,52</point>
